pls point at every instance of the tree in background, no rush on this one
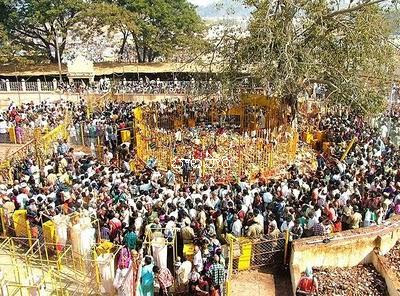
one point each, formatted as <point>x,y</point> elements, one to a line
<point>164,27</point>
<point>110,18</point>
<point>290,44</point>
<point>37,25</point>
<point>158,28</point>
<point>8,50</point>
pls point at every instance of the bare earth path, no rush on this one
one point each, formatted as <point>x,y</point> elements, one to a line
<point>256,283</point>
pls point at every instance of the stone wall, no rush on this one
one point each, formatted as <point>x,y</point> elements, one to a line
<point>345,249</point>
<point>21,98</point>
<point>382,265</point>
<point>25,97</point>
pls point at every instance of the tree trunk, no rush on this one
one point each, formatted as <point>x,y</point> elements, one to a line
<point>291,100</point>
<point>124,40</point>
<point>145,53</point>
<point>149,55</point>
<point>52,57</point>
<point>139,57</point>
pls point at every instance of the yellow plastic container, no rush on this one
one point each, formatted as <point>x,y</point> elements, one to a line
<point>125,136</point>
<point>309,138</point>
<point>188,250</point>
<point>245,257</point>
<point>20,222</point>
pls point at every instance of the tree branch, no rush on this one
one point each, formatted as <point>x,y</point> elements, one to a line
<point>354,8</point>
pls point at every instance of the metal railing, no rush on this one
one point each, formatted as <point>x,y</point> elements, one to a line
<point>47,86</point>
<point>15,86</point>
<point>31,86</point>
<point>3,86</point>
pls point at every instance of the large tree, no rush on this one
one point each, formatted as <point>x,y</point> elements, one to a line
<point>110,18</point>
<point>290,44</point>
<point>37,24</point>
<point>164,26</point>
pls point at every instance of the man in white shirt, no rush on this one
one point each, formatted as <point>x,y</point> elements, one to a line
<point>3,131</point>
<point>259,218</point>
<point>267,198</point>
<point>22,198</point>
<point>198,259</point>
<point>237,226</point>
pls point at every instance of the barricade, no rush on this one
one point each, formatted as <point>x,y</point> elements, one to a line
<point>72,271</point>
<point>38,148</point>
<point>246,253</point>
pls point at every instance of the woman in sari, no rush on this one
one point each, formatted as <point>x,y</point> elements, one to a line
<point>147,278</point>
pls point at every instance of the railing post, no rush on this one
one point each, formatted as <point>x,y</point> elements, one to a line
<point>39,86</point>
<point>12,134</point>
<point>55,84</point>
<point>286,246</point>
<point>23,85</point>
<point>8,85</point>
<point>3,222</point>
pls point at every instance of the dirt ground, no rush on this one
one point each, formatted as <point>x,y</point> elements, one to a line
<point>259,283</point>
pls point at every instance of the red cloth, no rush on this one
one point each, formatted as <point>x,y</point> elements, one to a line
<point>306,285</point>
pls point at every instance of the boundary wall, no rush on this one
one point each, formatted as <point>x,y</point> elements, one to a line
<point>347,249</point>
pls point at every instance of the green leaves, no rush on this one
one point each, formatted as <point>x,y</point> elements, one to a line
<point>163,27</point>
<point>291,44</point>
<point>35,24</point>
<point>157,28</point>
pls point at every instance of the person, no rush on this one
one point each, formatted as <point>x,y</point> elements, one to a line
<point>187,233</point>
<point>255,230</point>
<point>186,169</point>
<point>198,259</point>
<point>3,131</point>
<point>147,278</point>
<point>183,275</point>
<point>296,231</point>
<point>194,277</point>
<point>318,229</point>
<point>130,238</point>
<point>308,284</point>
<point>202,288</point>
<point>356,218</point>
<point>217,274</point>
<point>237,226</point>
<point>165,280</point>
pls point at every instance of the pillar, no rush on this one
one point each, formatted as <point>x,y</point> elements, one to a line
<point>23,85</point>
<point>39,85</point>
<point>55,84</point>
<point>8,85</point>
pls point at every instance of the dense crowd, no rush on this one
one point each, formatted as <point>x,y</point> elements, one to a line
<point>134,207</point>
<point>142,86</point>
<point>26,117</point>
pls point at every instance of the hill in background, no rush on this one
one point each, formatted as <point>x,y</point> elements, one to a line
<point>220,9</point>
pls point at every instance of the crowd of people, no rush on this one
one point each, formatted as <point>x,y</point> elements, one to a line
<point>135,207</point>
<point>26,117</point>
<point>142,86</point>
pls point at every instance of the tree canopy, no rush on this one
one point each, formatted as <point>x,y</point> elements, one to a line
<point>163,26</point>
<point>158,28</point>
<point>288,45</point>
<point>37,25</point>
